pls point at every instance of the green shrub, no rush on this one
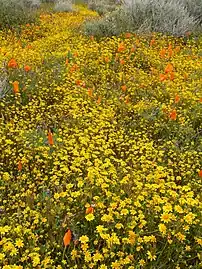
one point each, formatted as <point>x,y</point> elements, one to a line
<point>144,16</point>
<point>102,6</point>
<point>63,6</point>
<point>17,12</point>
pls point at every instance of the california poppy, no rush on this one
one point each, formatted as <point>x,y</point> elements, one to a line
<point>173,115</point>
<point>172,75</point>
<point>170,53</point>
<point>177,49</point>
<point>200,100</point>
<point>67,237</point>
<point>90,92</point>
<point>200,173</point>
<point>177,99</point>
<point>170,46</point>
<point>12,63</point>
<point>19,166</point>
<point>50,138</point>
<point>121,47</point>
<point>152,42</point>
<point>163,53</point>
<point>124,88</point>
<point>16,86</point>
<point>99,100</point>
<point>132,49</point>
<point>66,61</point>
<point>169,68</point>
<point>163,77</point>
<point>122,61</point>
<point>106,59</point>
<point>78,82</point>
<point>74,67</point>
<point>27,68</point>
<point>89,210</point>
<point>128,35</point>
<point>127,99</point>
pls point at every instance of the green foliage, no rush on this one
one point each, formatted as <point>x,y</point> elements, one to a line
<point>103,6</point>
<point>14,13</point>
<point>63,6</point>
<point>168,17</point>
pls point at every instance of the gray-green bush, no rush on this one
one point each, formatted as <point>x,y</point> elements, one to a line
<point>102,6</point>
<point>143,16</point>
<point>17,12</point>
<point>194,8</point>
<point>63,6</point>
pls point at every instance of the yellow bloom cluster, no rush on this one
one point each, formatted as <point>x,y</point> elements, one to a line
<point>101,138</point>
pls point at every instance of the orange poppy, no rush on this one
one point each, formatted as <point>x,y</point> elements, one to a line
<point>74,68</point>
<point>163,53</point>
<point>29,46</point>
<point>200,100</point>
<point>177,49</point>
<point>78,82</point>
<point>27,68</point>
<point>16,86</point>
<point>170,46</point>
<point>67,237</point>
<point>99,100</point>
<point>106,59</point>
<point>169,68</point>
<point>177,99</point>
<point>67,61</point>
<point>19,166</point>
<point>137,42</point>
<point>121,47</point>
<point>50,138</point>
<point>122,61</point>
<point>12,63</point>
<point>172,76</point>
<point>128,35</point>
<point>132,49</point>
<point>170,53</point>
<point>163,77</point>
<point>152,42</point>
<point>173,115</point>
<point>127,99</point>
<point>89,210</point>
<point>200,173</point>
<point>90,92</point>
<point>124,88</point>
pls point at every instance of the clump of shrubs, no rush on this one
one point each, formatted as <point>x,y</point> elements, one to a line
<point>63,6</point>
<point>143,16</point>
<point>103,6</point>
<point>18,12</point>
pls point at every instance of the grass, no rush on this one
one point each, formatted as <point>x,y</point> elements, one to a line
<point>101,148</point>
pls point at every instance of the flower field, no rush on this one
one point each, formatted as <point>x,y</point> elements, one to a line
<point>100,148</point>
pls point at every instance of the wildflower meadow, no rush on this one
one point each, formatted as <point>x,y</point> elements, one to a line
<point>100,137</point>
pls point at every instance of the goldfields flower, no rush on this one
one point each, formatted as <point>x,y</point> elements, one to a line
<point>89,217</point>
<point>84,239</point>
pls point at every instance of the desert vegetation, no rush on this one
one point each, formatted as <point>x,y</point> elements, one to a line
<point>100,134</point>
